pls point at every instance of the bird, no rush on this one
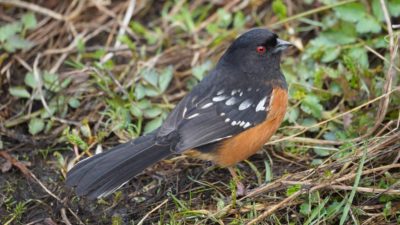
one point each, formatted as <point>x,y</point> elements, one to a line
<point>225,118</point>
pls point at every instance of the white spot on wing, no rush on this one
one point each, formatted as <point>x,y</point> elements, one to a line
<point>193,116</point>
<point>219,98</point>
<point>227,120</point>
<point>207,105</point>
<point>245,104</point>
<point>184,112</point>
<point>231,101</point>
<point>261,105</point>
<point>233,123</point>
<point>242,123</point>
<point>222,114</point>
<point>247,125</point>
<point>220,92</point>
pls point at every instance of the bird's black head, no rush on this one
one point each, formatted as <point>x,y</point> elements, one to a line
<point>255,53</point>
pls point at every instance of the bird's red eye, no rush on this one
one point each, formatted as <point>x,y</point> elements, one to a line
<point>261,49</point>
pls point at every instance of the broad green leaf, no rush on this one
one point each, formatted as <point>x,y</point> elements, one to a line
<point>224,18</point>
<point>151,91</point>
<point>50,112</point>
<point>152,112</point>
<point>394,7</point>
<point>239,20</point>
<point>351,12</point>
<point>36,125</point>
<point>292,115</point>
<point>311,105</point>
<point>16,43</point>
<point>139,91</point>
<point>368,24</point>
<point>9,30</point>
<point>360,57</point>
<point>309,122</point>
<point>144,104</point>
<point>29,20</point>
<point>330,54</point>
<point>136,111</point>
<point>200,71</point>
<point>152,125</point>
<point>305,208</point>
<point>321,151</point>
<point>377,10</point>
<point>51,82</point>
<point>19,91</point>
<point>30,80</point>
<point>279,9</point>
<point>74,103</point>
<point>151,76</point>
<point>165,78</point>
<point>293,189</point>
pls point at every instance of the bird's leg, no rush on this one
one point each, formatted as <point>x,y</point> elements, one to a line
<point>240,188</point>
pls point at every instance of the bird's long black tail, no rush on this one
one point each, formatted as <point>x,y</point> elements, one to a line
<point>104,173</point>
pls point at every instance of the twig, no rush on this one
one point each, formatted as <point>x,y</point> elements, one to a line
<point>151,211</point>
<point>122,30</point>
<point>34,8</point>
<point>40,83</point>
<point>64,217</point>
<point>275,207</point>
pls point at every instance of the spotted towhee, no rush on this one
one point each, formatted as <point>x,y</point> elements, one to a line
<point>226,118</point>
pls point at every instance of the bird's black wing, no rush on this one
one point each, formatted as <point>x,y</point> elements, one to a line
<point>217,112</point>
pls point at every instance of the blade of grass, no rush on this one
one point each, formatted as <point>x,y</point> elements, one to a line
<point>354,190</point>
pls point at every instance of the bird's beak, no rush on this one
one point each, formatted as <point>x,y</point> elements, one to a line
<point>282,45</point>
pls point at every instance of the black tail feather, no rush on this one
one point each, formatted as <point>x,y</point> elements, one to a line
<point>103,173</point>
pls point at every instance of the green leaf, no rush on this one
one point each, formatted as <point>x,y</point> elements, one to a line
<point>200,71</point>
<point>311,105</point>
<point>29,20</point>
<point>136,111</point>
<point>321,151</point>
<point>47,114</point>
<point>368,24</point>
<point>36,125</point>
<point>74,103</point>
<point>151,76</point>
<point>9,30</point>
<point>377,10</point>
<point>239,20</point>
<point>351,12</point>
<point>279,8</point>
<point>308,122</point>
<point>151,91</point>
<point>330,54</point>
<point>30,80</point>
<point>292,115</point>
<point>152,112</point>
<point>19,91</point>
<point>305,208</point>
<point>139,91</point>
<point>293,189</point>
<point>224,18</point>
<point>360,57</point>
<point>16,43</point>
<point>394,7</point>
<point>165,78</point>
<point>51,82</point>
<point>144,104</point>
<point>152,125</point>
